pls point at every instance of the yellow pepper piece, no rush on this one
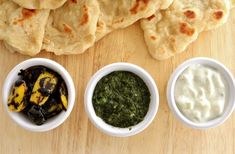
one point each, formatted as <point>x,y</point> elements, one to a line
<point>63,96</point>
<point>16,99</point>
<point>43,88</point>
<point>64,101</point>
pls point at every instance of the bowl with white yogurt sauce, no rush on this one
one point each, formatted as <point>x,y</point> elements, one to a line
<point>201,93</point>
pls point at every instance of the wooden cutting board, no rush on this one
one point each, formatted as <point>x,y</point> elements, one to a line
<point>164,135</point>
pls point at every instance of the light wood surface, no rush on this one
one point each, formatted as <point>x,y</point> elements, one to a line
<point>164,135</point>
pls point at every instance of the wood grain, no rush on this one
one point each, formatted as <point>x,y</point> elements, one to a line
<point>165,135</point>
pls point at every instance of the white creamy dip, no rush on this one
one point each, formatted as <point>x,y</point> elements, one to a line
<point>200,93</point>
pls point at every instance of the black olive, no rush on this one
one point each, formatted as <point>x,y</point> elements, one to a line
<point>44,91</point>
<point>35,115</point>
<point>31,74</point>
<point>51,108</point>
<point>19,82</point>
<point>27,108</point>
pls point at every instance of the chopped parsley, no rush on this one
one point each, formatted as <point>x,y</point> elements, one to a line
<point>121,99</point>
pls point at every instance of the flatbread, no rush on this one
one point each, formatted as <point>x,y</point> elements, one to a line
<point>122,13</point>
<point>71,28</point>
<point>22,29</point>
<point>40,4</point>
<point>170,31</point>
<point>166,4</point>
<point>232,3</point>
<point>163,34</point>
<point>217,13</point>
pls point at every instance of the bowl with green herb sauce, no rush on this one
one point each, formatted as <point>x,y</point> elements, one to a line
<point>121,99</point>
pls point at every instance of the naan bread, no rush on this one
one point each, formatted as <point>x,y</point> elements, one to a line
<point>232,3</point>
<point>166,4</point>
<point>71,28</point>
<point>40,4</point>
<point>170,31</point>
<point>116,14</point>
<point>217,13</point>
<point>22,29</point>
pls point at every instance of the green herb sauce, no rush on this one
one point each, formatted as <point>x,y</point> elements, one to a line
<point>121,99</point>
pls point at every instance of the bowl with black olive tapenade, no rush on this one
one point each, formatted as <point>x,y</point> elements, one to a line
<point>121,99</point>
<point>39,94</point>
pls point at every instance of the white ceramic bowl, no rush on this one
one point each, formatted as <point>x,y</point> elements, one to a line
<point>231,89</point>
<point>115,131</point>
<point>21,119</point>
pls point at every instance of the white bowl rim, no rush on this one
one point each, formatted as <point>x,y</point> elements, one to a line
<point>115,131</point>
<point>52,122</point>
<point>171,86</point>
